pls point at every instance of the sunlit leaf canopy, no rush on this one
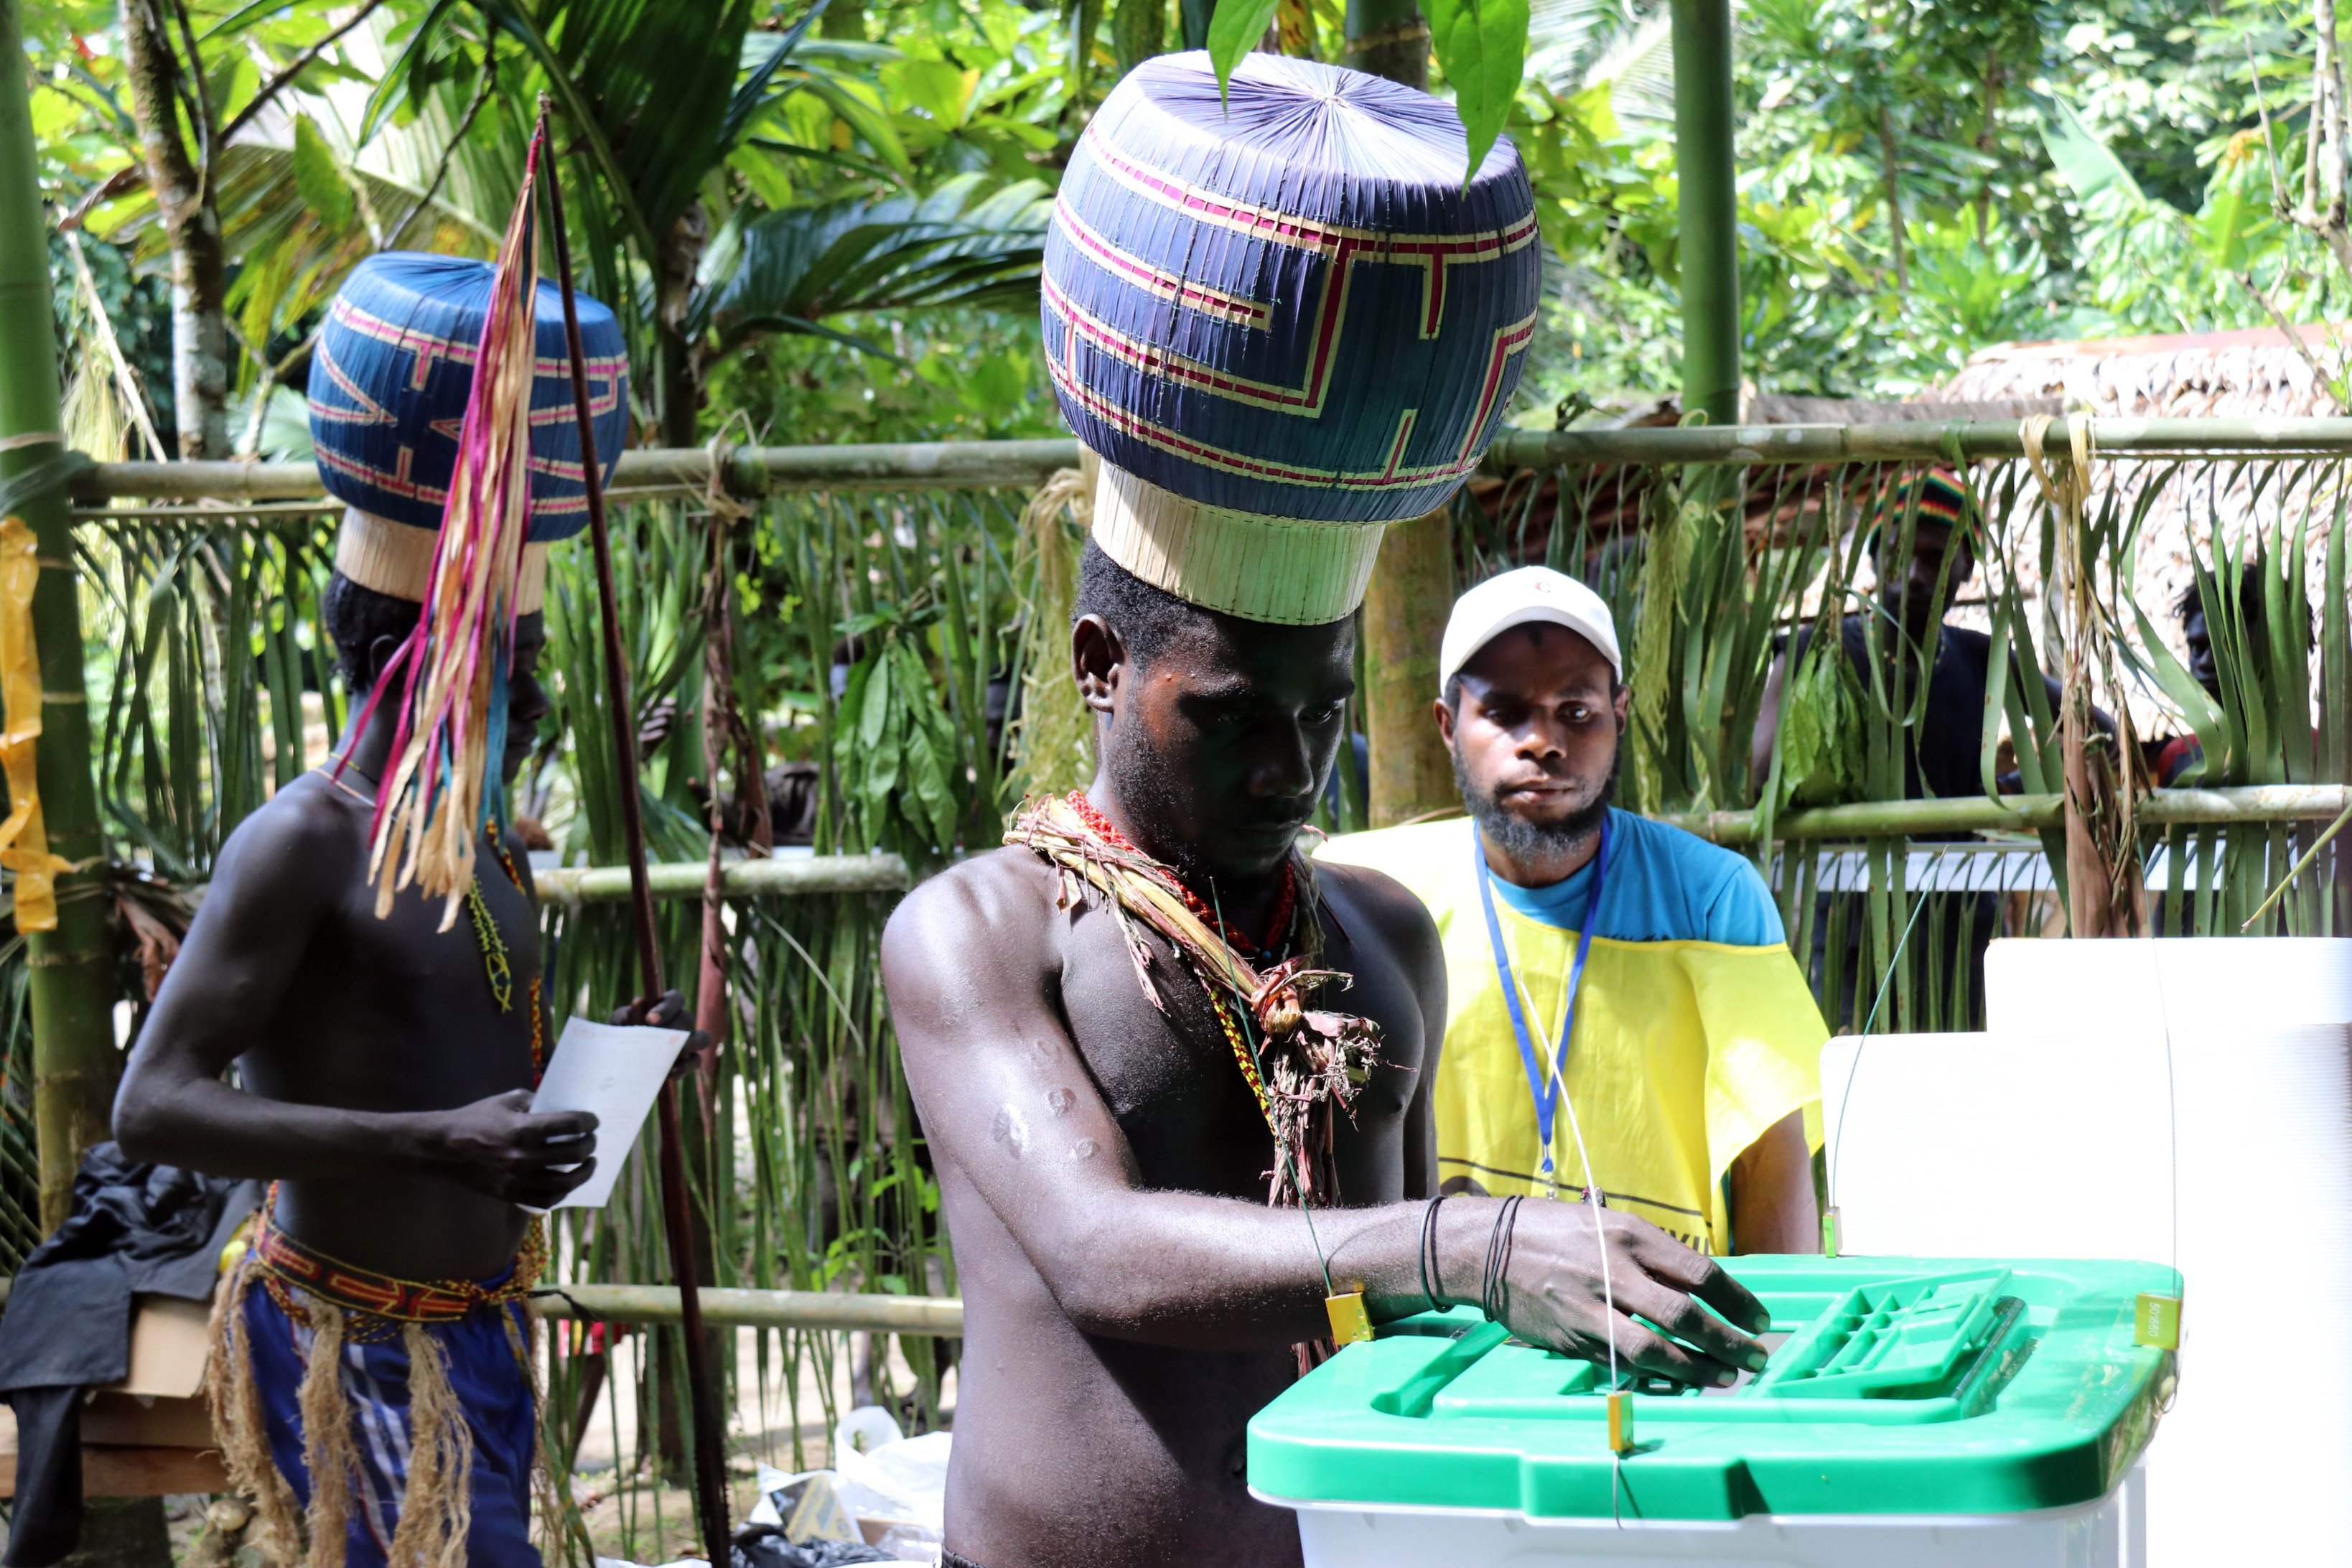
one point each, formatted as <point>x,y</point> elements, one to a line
<point>868,184</point>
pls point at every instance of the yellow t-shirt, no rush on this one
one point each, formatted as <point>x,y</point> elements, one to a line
<point>1694,1030</point>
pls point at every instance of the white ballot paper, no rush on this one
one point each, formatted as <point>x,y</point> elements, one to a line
<point>612,1070</point>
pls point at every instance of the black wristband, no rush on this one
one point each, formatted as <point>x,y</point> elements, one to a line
<point>1429,1272</point>
<point>1493,1293</point>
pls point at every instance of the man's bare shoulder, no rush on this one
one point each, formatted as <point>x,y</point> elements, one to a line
<point>1378,901</point>
<point>993,912</point>
<point>305,830</point>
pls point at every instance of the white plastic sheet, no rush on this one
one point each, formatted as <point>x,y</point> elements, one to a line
<point>2059,1133</point>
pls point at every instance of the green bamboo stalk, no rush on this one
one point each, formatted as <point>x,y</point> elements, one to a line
<point>750,471</point>
<point>821,875</point>
<point>1707,208</point>
<point>74,1059</point>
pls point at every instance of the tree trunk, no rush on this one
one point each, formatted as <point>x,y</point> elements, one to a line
<point>1405,608</point>
<point>1389,38</point>
<point>678,370</point>
<point>1986,138</point>
<point>1888,177</point>
<point>1411,591</point>
<point>1138,30</point>
<point>184,205</point>
<point>843,19</point>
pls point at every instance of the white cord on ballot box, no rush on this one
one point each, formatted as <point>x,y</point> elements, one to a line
<point>1596,1201</point>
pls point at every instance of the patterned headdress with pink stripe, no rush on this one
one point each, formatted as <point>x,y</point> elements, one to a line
<point>1283,318</point>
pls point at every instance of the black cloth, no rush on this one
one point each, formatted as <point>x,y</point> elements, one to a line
<point>135,1229</point>
<point>764,1546</point>
<point>956,1560</point>
<point>1942,754</point>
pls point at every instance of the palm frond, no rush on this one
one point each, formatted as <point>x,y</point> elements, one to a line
<point>963,244</point>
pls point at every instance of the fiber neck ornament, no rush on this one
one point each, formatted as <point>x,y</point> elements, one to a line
<point>1276,943</point>
<point>1304,1066</point>
<point>441,793</point>
<point>1543,1083</point>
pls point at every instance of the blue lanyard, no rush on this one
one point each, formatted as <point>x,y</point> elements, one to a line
<point>1544,1085</point>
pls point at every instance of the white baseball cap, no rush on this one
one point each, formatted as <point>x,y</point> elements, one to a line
<point>1516,598</point>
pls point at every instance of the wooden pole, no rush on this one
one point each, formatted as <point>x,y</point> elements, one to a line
<point>75,1064</point>
<point>709,1421</point>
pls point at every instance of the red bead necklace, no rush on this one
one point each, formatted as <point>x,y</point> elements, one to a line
<point>1286,897</point>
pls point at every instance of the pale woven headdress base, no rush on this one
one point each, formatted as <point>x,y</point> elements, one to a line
<point>395,559</point>
<point>1291,572</point>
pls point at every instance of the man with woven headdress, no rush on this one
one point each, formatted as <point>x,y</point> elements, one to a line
<point>370,1362</point>
<point>1147,1034</point>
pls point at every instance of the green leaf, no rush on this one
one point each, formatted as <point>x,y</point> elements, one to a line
<point>2084,162</point>
<point>939,88</point>
<point>960,245</point>
<point>1483,46</point>
<point>1234,31</point>
<point>876,718</point>
<point>320,179</point>
<point>2203,714</point>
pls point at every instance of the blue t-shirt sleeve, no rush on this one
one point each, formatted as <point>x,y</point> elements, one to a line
<point>1742,914</point>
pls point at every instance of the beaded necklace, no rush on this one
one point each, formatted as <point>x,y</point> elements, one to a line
<point>497,964</point>
<point>1278,932</point>
<point>1278,938</point>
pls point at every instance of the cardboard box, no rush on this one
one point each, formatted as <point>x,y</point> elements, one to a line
<point>160,1404</point>
<point>148,1434</point>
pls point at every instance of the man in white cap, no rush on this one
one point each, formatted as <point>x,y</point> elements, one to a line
<point>1624,1015</point>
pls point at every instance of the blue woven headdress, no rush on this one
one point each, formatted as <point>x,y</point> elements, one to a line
<point>389,380</point>
<point>1282,320</point>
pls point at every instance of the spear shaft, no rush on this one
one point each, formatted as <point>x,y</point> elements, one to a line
<point>710,1424</point>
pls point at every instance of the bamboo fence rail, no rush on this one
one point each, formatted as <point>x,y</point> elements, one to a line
<point>751,472</point>
<point>813,876</point>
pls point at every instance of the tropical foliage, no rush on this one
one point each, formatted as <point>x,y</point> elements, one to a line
<point>1917,182</point>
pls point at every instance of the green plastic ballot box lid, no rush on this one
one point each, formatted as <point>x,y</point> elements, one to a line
<point>1913,1387</point>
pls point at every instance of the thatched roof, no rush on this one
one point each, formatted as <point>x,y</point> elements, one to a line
<point>2237,374</point>
<point>1774,408</point>
<point>2187,375</point>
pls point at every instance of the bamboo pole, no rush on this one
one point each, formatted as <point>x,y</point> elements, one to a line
<point>749,472</point>
<point>819,874</point>
<point>2020,813</point>
<point>938,1316</point>
<point>777,877</point>
<point>1405,608</point>
<point>75,1064</point>
<point>1707,206</point>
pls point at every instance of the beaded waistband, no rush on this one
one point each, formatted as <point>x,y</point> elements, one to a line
<point>286,1261</point>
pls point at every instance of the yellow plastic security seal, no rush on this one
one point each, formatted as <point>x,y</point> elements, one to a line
<point>1351,1323</point>
<point>2156,1322</point>
<point>1621,1422</point>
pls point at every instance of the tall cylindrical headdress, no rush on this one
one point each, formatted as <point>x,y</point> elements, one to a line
<point>388,381</point>
<point>1283,320</point>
